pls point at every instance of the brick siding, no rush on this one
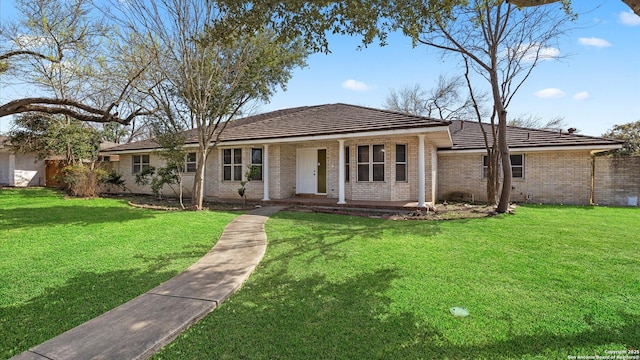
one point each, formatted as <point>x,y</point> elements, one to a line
<point>617,179</point>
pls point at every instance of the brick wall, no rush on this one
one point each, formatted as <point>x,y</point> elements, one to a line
<point>552,177</point>
<point>283,172</point>
<point>617,178</point>
<point>125,167</point>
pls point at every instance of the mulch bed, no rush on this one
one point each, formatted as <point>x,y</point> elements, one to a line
<point>443,211</point>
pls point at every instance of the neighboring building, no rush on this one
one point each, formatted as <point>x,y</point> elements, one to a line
<point>348,152</point>
<point>20,170</point>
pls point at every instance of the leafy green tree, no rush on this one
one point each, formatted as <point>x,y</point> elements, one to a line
<point>630,134</point>
<point>47,135</point>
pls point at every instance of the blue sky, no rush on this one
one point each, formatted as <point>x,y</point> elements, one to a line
<point>595,86</point>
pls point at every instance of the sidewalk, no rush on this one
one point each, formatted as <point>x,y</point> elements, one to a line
<point>142,326</point>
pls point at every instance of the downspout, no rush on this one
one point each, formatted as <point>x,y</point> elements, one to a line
<point>593,180</point>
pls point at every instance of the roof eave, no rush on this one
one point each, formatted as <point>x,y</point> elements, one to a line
<point>593,148</point>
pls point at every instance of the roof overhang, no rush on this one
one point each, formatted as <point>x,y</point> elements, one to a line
<point>438,135</point>
<point>591,148</point>
<point>442,141</point>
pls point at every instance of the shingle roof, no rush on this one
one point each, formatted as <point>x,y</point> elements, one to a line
<point>332,119</point>
<point>336,119</point>
<point>467,135</point>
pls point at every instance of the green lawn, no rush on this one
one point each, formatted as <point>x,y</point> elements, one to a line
<point>546,283</point>
<point>63,262</point>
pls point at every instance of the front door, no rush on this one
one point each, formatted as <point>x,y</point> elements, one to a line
<point>311,171</point>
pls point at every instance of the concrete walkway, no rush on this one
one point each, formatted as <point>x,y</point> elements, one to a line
<point>142,326</point>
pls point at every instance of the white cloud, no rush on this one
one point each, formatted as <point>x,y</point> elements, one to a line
<point>583,95</point>
<point>356,85</point>
<point>529,52</point>
<point>549,93</point>
<point>629,18</point>
<point>599,43</point>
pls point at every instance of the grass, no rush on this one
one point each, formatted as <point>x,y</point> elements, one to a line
<point>546,283</point>
<point>65,261</point>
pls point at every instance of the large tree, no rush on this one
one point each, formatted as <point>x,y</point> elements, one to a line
<point>500,45</point>
<point>63,50</point>
<point>201,80</point>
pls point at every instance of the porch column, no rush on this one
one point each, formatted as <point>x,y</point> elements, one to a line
<point>434,175</point>
<point>265,172</point>
<point>421,175</point>
<point>341,175</point>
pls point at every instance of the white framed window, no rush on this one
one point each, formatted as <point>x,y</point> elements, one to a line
<point>190,163</point>
<point>139,163</point>
<point>232,164</point>
<point>401,162</point>
<point>256,160</point>
<point>371,162</point>
<point>517,166</point>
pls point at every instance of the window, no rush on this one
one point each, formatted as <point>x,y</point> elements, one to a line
<point>517,166</point>
<point>347,168</point>
<point>139,163</point>
<point>190,163</point>
<point>232,164</point>
<point>401,162</point>
<point>104,158</point>
<point>371,163</point>
<point>256,160</point>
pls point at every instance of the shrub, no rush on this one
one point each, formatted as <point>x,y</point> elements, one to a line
<point>82,180</point>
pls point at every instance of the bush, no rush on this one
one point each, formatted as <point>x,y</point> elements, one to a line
<point>82,180</point>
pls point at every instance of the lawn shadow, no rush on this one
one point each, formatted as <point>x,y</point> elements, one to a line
<point>82,298</point>
<point>282,314</point>
<point>68,215</point>
<point>324,241</point>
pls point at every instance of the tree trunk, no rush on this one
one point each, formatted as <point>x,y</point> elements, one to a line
<point>493,178</point>
<point>503,148</point>
<point>197,195</point>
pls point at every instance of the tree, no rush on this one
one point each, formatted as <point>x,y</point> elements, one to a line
<point>533,122</point>
<point>203,79</point>
<point>47,135</point>
<point>633,4</point>
<point>63,49</point>
<point>630,134</point>
<point>445,101</point>
<point>499,43</point>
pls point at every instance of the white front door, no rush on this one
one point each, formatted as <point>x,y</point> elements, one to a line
<point>307,177</point>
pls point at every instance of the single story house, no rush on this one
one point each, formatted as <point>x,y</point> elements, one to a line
<point>346,152</point>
